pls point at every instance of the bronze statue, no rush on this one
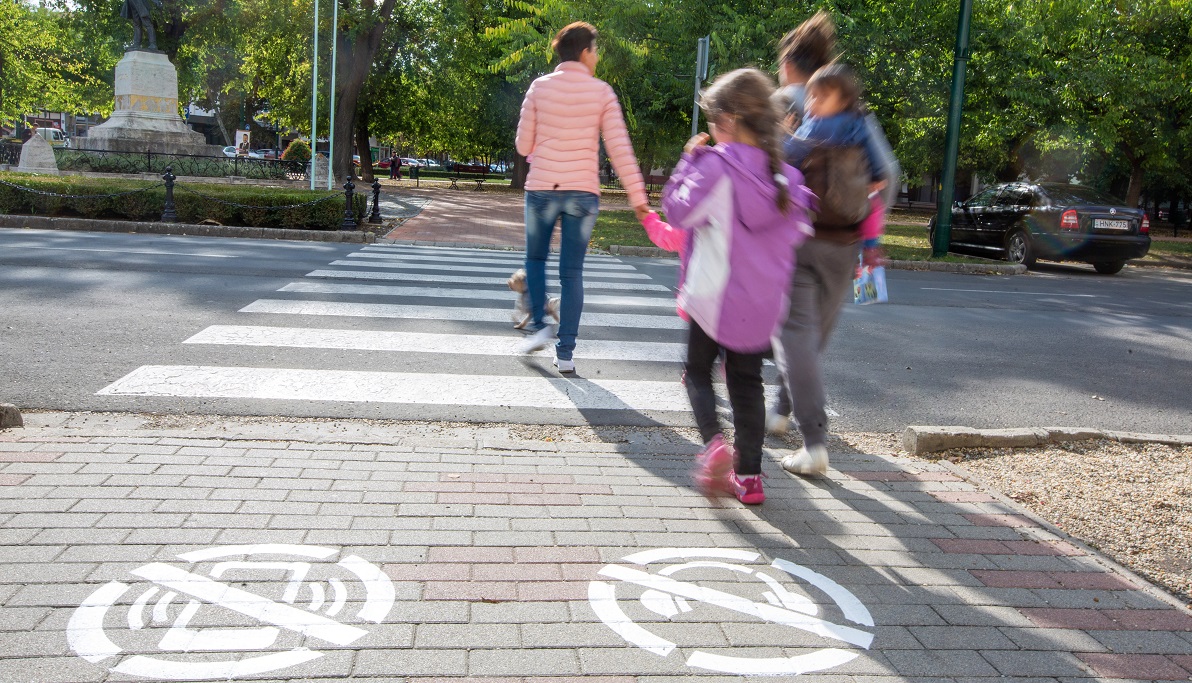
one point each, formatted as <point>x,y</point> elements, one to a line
<point>140,13</point>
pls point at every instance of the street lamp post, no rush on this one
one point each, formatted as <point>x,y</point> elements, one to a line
<point>943,217</point>
<point>331,130</point>
<point>701,73</point>
<point>314,101</point>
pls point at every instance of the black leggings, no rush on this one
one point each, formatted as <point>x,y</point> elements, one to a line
<point>743,372</point>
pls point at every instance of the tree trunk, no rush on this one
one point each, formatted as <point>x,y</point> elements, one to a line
<point>521,169</point>
<point>357,49</point>
<point>1134,189</point>
<point>362,147</point>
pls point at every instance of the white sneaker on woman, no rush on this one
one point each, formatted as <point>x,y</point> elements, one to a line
<point>777,424</point>
<point>538,340</point>
<point>806,461</point>
<point>565,365</point>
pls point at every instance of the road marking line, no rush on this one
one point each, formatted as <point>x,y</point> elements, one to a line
<point>482,253</point>
<point>471,280</point>
<point>510,262</point>
<point>740,604</point>
<point>460,268</point>
<point>497,391</point>
<point>667,302</point>
<point>418,342</point>
<point>250,605</point>
<point>996,291</point>
<point>131,251</point>
<point>488,315</point>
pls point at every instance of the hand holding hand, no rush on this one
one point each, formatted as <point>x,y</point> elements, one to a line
<point>641,211</point>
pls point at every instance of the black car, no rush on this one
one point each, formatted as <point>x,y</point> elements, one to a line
<point>1050,221</point>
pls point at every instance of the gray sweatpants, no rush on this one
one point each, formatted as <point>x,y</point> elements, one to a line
<point>823,276</point>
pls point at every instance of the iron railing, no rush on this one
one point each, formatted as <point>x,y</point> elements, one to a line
<point>106,161</point>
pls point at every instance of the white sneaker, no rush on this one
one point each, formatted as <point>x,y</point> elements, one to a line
<point>777,424</point>
<point>810,460</point>
<point>565,365</point>
<point>538,340</point>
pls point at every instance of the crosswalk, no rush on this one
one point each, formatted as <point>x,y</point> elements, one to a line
<point>427,333</point>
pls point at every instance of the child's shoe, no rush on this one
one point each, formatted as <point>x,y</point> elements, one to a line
<point>712,467</point>
<point>747,489</point>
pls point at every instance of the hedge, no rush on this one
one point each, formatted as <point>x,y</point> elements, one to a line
<point>213,167</point>
<point>191,208</point>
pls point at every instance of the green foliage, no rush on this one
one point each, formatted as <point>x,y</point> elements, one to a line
<point>194,203</point>
<point>298,151</point>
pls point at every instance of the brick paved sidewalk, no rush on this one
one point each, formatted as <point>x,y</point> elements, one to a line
<point>503,548</point>
<point>492,218</point>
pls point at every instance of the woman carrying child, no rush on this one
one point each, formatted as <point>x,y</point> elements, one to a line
<point>824,103</point>
<point>737,214</point>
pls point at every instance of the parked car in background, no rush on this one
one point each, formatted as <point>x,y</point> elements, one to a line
<point>230,151</point>
<point>55,137</point>
<point>1025,222</point>
<point>269,153</point>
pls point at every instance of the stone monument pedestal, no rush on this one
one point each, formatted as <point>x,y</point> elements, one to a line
<point>145,117</point>
<point>37,156</point>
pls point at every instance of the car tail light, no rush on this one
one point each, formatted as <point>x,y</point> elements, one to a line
<point>1146,225</point>
<point>1069,221</point>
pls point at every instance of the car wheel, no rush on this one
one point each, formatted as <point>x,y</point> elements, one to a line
<point>1019,248</point>
<point>1109,267</point>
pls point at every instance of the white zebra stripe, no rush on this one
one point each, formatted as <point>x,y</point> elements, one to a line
<point>470,280</point>
<point>480,253</point>
<point>576,393</point>
<point>667,303</point>
<point>589,262</point>
<point>419,342</point>
<point>464,268</point>
<point>359,310</point>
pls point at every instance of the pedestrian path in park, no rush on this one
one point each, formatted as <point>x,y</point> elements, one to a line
<point>427,333</point>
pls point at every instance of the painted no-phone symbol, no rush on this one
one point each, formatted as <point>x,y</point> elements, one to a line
<point>780,596</point>
<point>230,611</point>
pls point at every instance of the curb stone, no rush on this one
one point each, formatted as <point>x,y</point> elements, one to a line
<point>10,416</point>
<point>918,440</point>
<point>95,225</point>
<point>968,268</point>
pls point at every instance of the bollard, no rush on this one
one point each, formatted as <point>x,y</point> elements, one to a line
<point>375,217</point>
<point>349,206</point>
<point>168,214</point>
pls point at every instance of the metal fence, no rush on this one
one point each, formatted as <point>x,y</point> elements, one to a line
<point>10,153</point>
<point>105,161</point>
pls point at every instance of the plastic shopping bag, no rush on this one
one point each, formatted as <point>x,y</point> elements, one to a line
<point>869,286</point>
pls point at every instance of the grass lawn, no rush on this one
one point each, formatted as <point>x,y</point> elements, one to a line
<point>1169,248</point>
<point>903,242</point>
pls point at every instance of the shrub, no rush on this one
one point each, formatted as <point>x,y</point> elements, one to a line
<point>225,204</point>
<point>298,151</point>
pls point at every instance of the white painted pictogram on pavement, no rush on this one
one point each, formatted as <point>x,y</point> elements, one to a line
<point>790,605</point>
<point>230,611</point>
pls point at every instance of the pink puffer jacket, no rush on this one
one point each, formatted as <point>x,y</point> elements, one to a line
<point>562,118</point>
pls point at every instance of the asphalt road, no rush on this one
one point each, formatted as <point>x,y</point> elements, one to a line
<point>1061,346</point>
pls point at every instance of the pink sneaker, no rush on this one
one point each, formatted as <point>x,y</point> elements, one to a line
<point>713,466</point>
<point>747,489</point>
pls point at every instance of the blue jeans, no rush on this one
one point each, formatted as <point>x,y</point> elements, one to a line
<point>578,211</point>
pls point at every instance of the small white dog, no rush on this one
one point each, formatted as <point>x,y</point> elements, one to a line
<point>521,310</point>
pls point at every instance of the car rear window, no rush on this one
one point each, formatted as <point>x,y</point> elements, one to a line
<point>1077,194</point>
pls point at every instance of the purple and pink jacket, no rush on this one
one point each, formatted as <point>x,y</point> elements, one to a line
<point>737,250</point>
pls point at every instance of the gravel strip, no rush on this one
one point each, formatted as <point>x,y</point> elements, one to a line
<point>1132,502</point>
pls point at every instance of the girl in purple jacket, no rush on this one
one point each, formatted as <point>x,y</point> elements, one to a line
<point>737,212</point>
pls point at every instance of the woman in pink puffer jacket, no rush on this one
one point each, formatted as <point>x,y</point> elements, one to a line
<point>562,119</point>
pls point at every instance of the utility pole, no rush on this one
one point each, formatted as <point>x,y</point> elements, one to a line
<point>943,217</point>
<point>314,101</point>
<point>331,131</point>
<point>701,74</point>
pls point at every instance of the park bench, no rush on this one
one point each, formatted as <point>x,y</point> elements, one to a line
<point>477,173</point>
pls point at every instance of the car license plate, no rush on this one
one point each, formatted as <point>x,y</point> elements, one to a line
<point>1107,224</point>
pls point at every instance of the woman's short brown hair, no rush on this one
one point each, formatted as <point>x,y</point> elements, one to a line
<point>573,39</point>
<point>811,45</point>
